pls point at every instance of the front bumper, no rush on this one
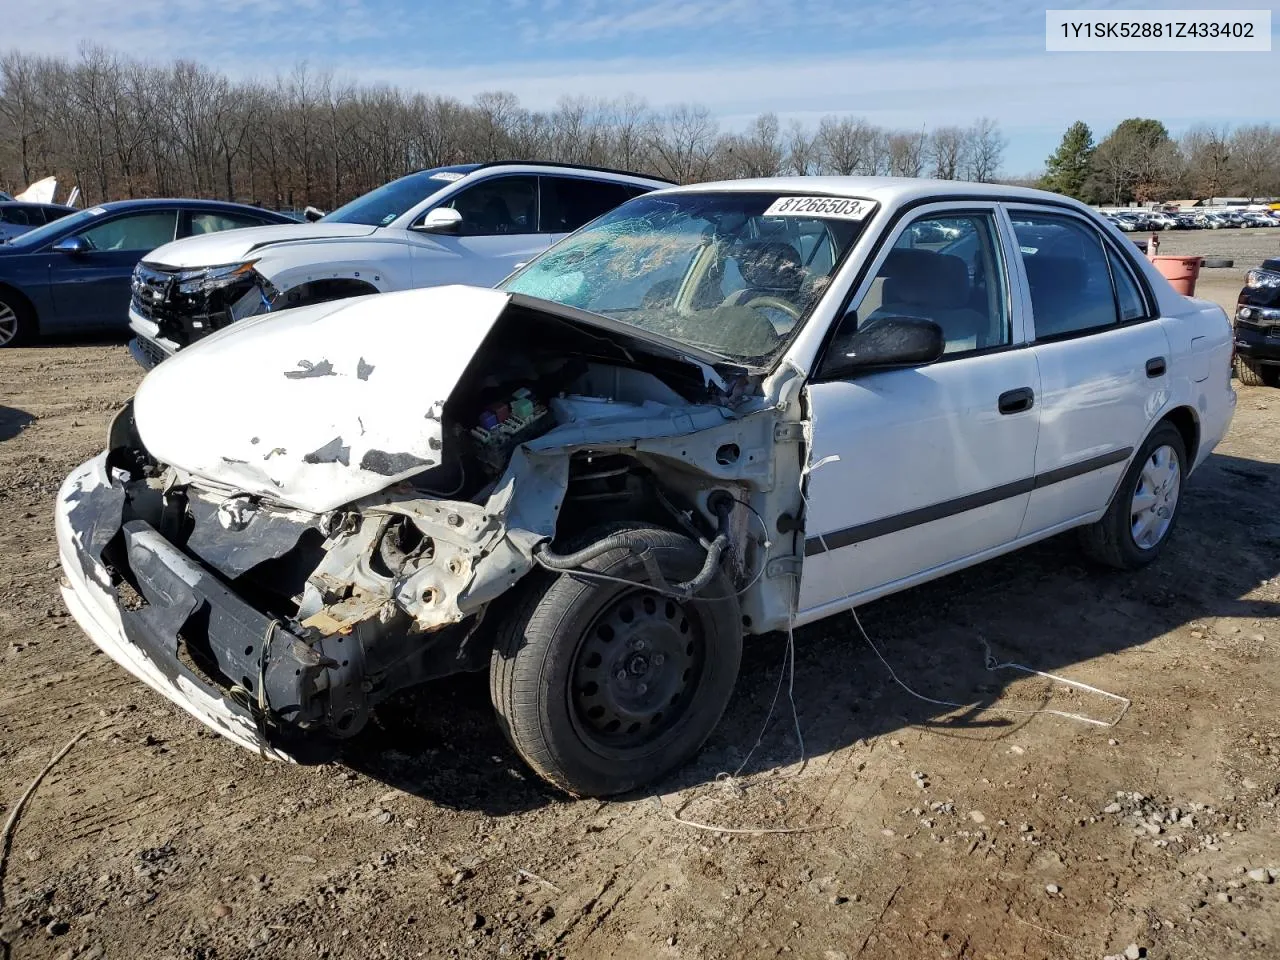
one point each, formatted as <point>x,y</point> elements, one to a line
<point>1260,344</point>
<point>148,347</point>
<point>174,595</point>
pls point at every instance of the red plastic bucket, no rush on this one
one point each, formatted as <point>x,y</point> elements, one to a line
<point>1181,272</point>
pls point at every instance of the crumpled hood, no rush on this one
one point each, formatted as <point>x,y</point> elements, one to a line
<point>235,246</point>
<point>322,405</point>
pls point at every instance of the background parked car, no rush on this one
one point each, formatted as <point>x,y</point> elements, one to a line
<point>469,223</point>
<point>17,217</point>
<point>73,274</point>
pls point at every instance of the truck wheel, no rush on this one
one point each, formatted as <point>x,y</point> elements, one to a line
<point>1253,374</point>
<point>1144,510</point>
<point>602,687</point>
<point>17,323</point>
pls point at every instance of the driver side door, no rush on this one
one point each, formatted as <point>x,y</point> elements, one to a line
<point>91,289</point>
<point>915,470</point>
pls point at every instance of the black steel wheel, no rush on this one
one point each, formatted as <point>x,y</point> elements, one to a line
<point>604,686</point>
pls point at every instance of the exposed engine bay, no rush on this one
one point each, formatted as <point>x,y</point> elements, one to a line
<point>553,432</point>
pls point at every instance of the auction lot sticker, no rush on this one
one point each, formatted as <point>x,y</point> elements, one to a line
<point>831,208</point>
<point>1157,30</point>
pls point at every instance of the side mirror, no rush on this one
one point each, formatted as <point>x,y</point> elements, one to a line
<point>441,220</point>
<point>312,214</point>
<point>886,342</point>
<point>72,245</point>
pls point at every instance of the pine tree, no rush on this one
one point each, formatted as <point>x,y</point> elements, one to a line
<point>1067,171</point>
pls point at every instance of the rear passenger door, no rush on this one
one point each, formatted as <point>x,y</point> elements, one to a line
<point>1103,359</point>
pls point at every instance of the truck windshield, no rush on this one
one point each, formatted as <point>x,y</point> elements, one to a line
<point>733,273</point>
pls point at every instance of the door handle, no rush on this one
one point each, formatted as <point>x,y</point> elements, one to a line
<point>1155,367</point>
<point>1016,401</point>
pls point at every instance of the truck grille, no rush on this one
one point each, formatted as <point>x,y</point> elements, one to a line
<point>150,291</point>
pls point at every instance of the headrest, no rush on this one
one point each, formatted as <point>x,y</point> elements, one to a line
<point>770,265</point>
<point>1056,274</point>
<point>925,278</point>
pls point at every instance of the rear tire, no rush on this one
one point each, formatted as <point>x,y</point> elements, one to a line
<point>17,321</point>
<point>601,687</point>
<point>1145,508</point>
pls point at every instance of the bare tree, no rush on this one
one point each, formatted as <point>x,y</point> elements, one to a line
<point>983,150</point>
<point>684,142</point>
<point>946,152</point>
<point>1256,153</point>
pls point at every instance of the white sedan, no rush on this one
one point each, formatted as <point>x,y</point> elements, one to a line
<point>717,411</point>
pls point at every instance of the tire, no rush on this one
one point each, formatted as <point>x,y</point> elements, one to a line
<point>17,321</point>
<point>1249,372</point>
<point>576,659</point>
<point>1111,541</point>
<point>1212,263</point>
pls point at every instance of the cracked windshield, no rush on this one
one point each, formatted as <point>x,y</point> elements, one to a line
<point>733,273</point>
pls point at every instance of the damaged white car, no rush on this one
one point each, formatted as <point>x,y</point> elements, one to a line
<point>717,411</point>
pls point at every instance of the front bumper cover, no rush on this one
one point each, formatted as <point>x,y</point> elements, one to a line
<point>178,602</point>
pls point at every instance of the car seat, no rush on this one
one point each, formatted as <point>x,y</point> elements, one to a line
<point>932,286</point>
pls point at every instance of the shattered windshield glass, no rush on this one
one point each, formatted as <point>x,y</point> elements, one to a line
<point>379,207</point>
<point>732,273</point>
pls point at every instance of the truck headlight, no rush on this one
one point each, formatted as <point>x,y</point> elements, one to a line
<point>1262,278</point>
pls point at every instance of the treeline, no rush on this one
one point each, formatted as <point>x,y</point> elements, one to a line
<point>121,128</point>
<point>1139,161</point>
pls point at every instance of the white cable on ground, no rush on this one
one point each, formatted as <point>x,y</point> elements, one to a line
<point>989,661</point>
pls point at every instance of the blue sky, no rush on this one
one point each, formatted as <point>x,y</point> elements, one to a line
<point>911,64</point>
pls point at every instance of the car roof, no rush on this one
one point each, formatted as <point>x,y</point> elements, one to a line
<point>888,191</point>
<point>114,206</point>
<point>557,167</point>
<point>9,204</point>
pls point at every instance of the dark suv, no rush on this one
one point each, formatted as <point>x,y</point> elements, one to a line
<point>1257,326</point>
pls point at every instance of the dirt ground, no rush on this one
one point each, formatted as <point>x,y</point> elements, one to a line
<point>918,829</point>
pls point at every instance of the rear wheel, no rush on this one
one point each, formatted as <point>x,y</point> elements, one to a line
<point>602,686</point>
<point>1137,525</point>
<point>17,324</point>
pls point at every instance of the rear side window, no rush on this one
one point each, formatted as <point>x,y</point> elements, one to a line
<point>1068,274</point>
<point>217,222</point>
<point>1128,296</point>
<point>568,203</point>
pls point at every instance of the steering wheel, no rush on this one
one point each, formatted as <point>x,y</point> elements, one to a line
<point>775,303</point>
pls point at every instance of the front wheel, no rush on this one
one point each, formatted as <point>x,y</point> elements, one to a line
<point>1142,514</point>
<point>602,687</point>
<point>1250,373</point>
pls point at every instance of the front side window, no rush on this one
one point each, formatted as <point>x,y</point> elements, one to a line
<point>947,269</point>
<point>137,231</point>
<point>732,273</point>
<point>503,205</point>
<point>570,202</point>
<point>1067,272</point>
